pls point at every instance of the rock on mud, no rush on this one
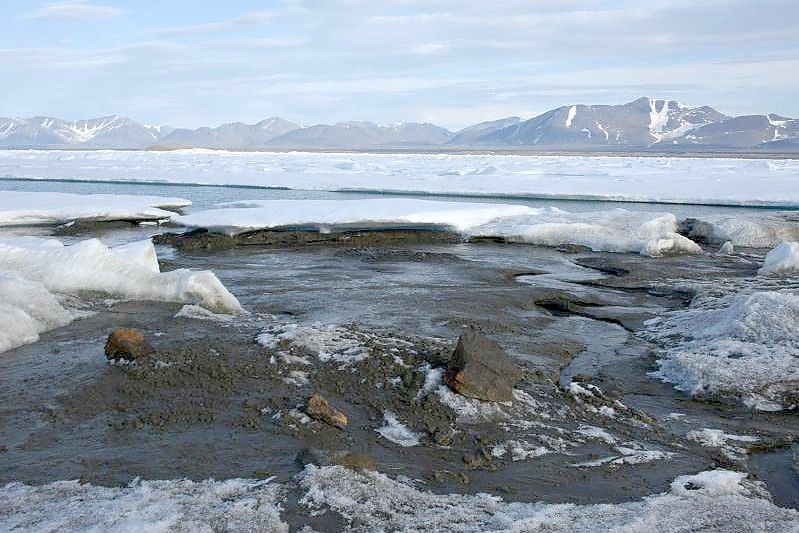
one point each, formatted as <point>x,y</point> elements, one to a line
<point>481,369</point>
<point>128,344</point>
<point>319,409</point>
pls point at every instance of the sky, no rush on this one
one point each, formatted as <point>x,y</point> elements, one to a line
<point>191,63</point>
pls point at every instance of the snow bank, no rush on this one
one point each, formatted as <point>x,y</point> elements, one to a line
<point>666,179</point>
<point>755,230</point>
<point>19,208</point>
<point>397,432</point>
<point>34,270</point>
<point>718,500</point>
<point>617,230</point>
<point>744,346</point>
<point>784,259</point>
<point>179,505</point>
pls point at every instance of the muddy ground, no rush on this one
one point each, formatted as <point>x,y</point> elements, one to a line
<point>212,402</point>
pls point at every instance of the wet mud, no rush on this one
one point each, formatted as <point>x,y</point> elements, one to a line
<point>586,425</point>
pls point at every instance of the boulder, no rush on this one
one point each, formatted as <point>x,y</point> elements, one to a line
<point>128,344</point>
<point>319,409</point>
<point>481,369</point>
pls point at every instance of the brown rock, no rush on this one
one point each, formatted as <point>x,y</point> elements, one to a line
<point>127,344</point>
<point>357,461</point>
<point>481,369</point>
<point>582,378</point>
<point>319,409</point>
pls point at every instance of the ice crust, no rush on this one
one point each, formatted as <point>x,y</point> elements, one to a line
<point>681,180</point>
<point>178,505</point>
<point>616,230</point>
<point>397,432</point>
<point>716,500</point>
<point>32,208</point>
<point>35,272</point>
<point>742,345</point>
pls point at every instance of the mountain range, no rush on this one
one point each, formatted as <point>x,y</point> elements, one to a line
<point>644,124</point>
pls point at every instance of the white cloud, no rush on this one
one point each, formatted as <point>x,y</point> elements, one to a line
<point>255,18</point>
<point>430,48</point>
<point>74,10</point>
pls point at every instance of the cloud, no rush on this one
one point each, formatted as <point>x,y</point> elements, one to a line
<point>73,10</point>
<point>248,20</point>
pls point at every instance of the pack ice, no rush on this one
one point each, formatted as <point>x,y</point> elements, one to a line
<point>18,208</point>
<point>35,274</point>
<point>709,180</point>
<point>616,230</point>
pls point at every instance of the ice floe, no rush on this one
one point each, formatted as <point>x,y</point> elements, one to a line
<point>19,208</point>
<point>666,179</point>
<point>35,272</point>
<point>757,230</point>
<point>783,259</point>
<point>617,230</point>
<point>27,309</point>
<point>742,345</point>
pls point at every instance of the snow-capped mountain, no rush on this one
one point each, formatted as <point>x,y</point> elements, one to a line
<point>468,136</point>
<point>746,131</point>
<point>105,132</point>
<point>644,122</point>
<point>363,135</point>
<point>230,136</point>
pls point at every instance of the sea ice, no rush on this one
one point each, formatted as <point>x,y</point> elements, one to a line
<point>35,270</point>
<point>744,346</point>
<point>665,179</point>
<point>616,230</point>
<point>27,309</point>
<point>757,230</point>
<point>30,208</point>
<point>784,259</point>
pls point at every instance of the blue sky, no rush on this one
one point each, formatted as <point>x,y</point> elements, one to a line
<point>452,62</point>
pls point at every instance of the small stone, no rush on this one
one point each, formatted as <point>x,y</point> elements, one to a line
<point>357,461</point>
<point>128,344</point>
<point>481,369</point>
<point>582,378</point>
<point>319,409</point>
